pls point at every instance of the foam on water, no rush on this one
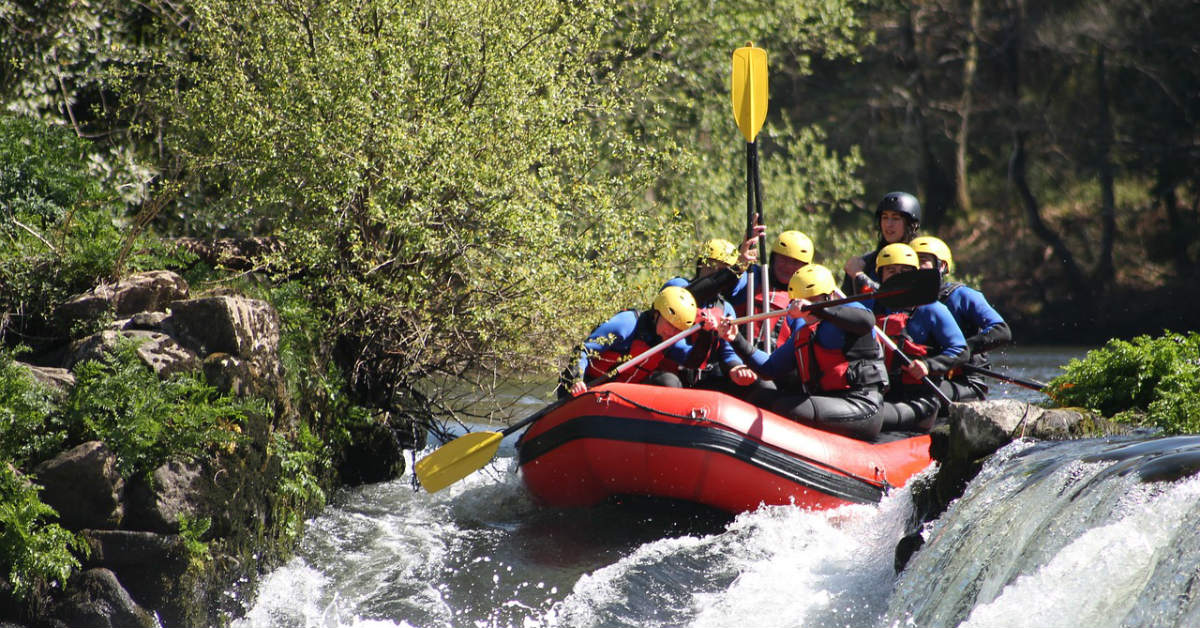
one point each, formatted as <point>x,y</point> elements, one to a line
<point>776,566</point>
<point>482,553</point>
<point>1095,579</point>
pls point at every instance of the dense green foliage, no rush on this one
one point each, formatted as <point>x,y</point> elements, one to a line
<point>56,219</point>
<point>25,405</point>
<point>1152,380</point>
<point>440,172</point>
<point>58,225</point>
<point>118,399</point>
<point>34,553</point>
<point>470,188</point>
<point>144,420</point>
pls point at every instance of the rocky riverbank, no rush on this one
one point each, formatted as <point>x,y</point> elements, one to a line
<point>149,558</point>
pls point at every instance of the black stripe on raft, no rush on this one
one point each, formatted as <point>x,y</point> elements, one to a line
<point>706,438</point>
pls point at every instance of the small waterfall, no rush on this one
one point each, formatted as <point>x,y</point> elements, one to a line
<point>1078,533</point>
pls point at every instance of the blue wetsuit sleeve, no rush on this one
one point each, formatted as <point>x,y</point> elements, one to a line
<point>947,336</point>
<point>725,352</point>
<point>615,333</point>
<point>738,293</point>
<point>986,328</point>
<point>675,281</point>
<point>781,361</point>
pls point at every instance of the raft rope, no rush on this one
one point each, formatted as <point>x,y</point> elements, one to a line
<point>603,398</point>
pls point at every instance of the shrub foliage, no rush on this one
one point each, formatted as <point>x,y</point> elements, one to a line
<point>1153,377</point>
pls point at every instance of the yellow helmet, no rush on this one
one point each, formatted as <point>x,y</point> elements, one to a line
<point>810,281</point>
<point>933,246</point>
<point>677,305</point>
<point>898,253</point>
<point>718,249</point>
<point>795,245</point>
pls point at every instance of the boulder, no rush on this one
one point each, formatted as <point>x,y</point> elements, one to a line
<point>157,505</point>
<point>96,598</point>
<point>232,253</point>
<point>59,379</point>
<point>974,431</point>
<point>83,485</point>
<point>154,569</point>
<point>244,328</point>
<point>149,321</point>
<point>140,292</point>
<point>156,349</point>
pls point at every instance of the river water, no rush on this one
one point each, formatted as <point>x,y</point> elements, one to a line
<point>1082,533</point>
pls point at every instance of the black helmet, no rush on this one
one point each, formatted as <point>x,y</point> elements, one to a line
<point>902,202</point>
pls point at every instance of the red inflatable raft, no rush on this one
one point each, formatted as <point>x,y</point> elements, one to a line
<point>704,447</point>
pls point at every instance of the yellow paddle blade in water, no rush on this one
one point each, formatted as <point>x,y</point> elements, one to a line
<point>457,459</point>
<point>749,89</point>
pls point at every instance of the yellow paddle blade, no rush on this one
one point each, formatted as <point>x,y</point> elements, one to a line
<point>749,89</point>
<point>457,459</point>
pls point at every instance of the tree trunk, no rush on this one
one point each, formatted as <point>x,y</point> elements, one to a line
<point>1104,262</point>
<point>1164,193</point>
<point>1078,284</point>
<point>936,185</point>
<point>970,60</point>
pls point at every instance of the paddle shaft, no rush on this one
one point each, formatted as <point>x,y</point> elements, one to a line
<point>751,161</point>
<point>613,374</point>
<point>866,296</point>
<point>906,360</point>
<point>1027,383</point>
<point>763,267</point>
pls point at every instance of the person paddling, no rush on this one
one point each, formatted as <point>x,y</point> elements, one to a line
<point>630,333</point>
<point>839,366</point>
<point>711,360</point>
<point>980,323</point>
<point>928,335</point>
<point>898,217</point>
<point>791,251</point>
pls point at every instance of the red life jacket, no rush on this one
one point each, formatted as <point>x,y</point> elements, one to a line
<point>695,360</point>
<point>600,364</point>
<point>894,325</point>
<point>779,301</point>
<point>820,368</point>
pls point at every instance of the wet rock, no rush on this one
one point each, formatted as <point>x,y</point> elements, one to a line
<point>83,485</point>
<point>373,455</point>
<point>154,569</point>
<point>96,598</point>
<point>974,431</point>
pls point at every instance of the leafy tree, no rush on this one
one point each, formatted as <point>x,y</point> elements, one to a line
<point>59,227</point>
<point>57,56</point>
<point>454,183</point>
<point>807,186</point>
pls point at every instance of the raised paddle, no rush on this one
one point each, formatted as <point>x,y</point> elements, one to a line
<point>748,90</point>
<point>910,289</point>
<point>468,453</point>
<point>1031,384</point>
